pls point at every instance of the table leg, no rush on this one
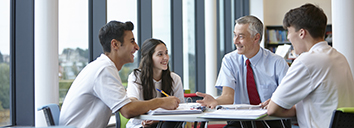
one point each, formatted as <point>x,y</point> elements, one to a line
<point>253,123</point>
<point>195,124</point>
<point>202,124</point>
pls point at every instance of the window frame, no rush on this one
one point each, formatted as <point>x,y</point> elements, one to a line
<point>22,74</point>
<point>97,18</point>
<point>22,63</point>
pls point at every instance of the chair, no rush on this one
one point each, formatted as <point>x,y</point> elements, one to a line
<point>191,97</point>
<point>343,118</point>
<point>51,113</point>
<point>121,121</point>
<point>216,125</point>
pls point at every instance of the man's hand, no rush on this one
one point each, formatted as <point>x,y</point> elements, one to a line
<point>207,101</point>
<point>265,104</point>
<point>170,103</point>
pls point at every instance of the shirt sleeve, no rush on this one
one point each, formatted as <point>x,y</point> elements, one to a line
<point>134,89</point>
<point>226,75</point>
<point>281,70</point>
<point>108,87</point>
<point>295,86</point>
<point>178,87</point>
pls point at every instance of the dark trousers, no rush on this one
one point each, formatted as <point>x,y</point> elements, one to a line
<point>259,124</point>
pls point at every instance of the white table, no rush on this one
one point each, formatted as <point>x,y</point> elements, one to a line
<point>200,118</point>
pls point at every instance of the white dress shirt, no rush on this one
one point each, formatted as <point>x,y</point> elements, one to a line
<point>268,69</point>
<point>318,82</point>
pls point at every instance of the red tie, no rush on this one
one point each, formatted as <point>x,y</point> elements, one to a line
<point>251,86</point>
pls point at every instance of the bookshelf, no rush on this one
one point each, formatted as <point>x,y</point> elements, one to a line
<point>277,35</point>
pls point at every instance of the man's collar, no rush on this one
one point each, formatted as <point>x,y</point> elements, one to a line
<point>254,60</point>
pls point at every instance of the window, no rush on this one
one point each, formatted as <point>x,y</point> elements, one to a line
<point>124,10</point>
<point>73,42</point>
<point>5,63</point>
<point>161,23</point>
<point>189,71</point>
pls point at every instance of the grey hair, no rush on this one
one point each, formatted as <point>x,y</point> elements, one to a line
<point>255,25</point>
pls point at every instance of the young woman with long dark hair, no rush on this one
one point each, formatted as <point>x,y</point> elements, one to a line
<point>153,73</point>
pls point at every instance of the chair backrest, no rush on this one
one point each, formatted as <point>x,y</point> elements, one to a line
<point>51,113</point>
<point>343,118</point>
<point>121,121</point>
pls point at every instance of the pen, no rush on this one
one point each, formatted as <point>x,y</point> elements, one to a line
<point>162,92</point>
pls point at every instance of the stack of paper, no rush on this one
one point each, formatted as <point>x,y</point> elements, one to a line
<point>283,50</point>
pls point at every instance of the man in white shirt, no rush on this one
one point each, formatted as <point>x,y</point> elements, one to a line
<point>320,80</point>
<point>97,92</point>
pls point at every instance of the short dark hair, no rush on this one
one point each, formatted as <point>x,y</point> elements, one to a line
<point>255,25</point>
<point>113,30</point>
<point>309,17</point>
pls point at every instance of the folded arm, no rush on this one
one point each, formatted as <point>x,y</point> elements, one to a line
<point>274,109</point>
<point>137,107</point>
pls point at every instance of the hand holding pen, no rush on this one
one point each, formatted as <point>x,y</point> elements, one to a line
<point>162,92</point>
<point>170,100</point>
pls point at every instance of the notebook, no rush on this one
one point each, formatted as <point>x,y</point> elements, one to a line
<point>238,106</point>
<point>183,108</point>
<point>237,111</point>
